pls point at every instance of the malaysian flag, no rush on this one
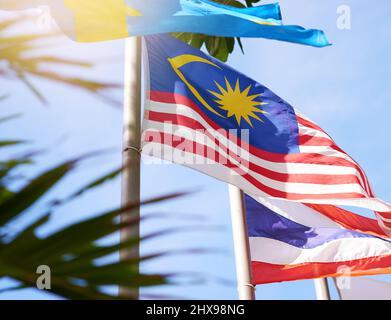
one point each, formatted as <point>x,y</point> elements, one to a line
<point>294,241</point>
<point>205,115</point>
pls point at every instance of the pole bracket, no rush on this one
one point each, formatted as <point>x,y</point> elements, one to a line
<point>248,285</point>
<point>131,148</point>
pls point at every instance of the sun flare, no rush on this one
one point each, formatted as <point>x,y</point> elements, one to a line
<point>238,103</point>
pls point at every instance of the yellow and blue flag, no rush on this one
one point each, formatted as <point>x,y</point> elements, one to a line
<point>98,20</point>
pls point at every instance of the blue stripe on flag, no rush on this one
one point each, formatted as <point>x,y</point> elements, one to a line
<point>263,222</point>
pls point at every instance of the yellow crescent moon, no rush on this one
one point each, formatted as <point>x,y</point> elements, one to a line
<point>178,62</point>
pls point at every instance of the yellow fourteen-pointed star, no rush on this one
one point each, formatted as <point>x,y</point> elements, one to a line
<point>238,103</point>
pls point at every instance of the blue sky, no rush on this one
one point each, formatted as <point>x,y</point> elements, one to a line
<point>344,88</point>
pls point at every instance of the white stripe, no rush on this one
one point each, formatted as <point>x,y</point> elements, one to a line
<point>326,150</point>
<point>274,166</point>
<point>313,132</point>
<point>374,204</point>
<point>298,112</point>
<point>298,212</point>
<point>215,170</point>
<point>386,229</point>
<point>277,252</point>
<point>388,220</point>
<point>290,187</point>
<point>371,203</point>
<point>302,214</point>
<point>227,175</point>
<point>330,152</point>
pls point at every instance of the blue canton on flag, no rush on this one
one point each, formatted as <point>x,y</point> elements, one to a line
<point>203,114</point>
<point>228,98</point>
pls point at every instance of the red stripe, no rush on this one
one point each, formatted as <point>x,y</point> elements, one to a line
<point>174,141</point>
<point>308,140</point>
<point>304,158</point>
<point>327,179</point>
<point>268,273</point>
<point>300,197</point>
<point>349,220</point>
<point>311,141</point>
<point>314,158</point>
<point>310,124</point>
<point>385,215</point>
<point>387,224</point>
<point>310,158</point>
<point>321,141</point>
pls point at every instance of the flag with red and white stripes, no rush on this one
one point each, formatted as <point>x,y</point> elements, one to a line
<point>294,241</point>
<point>205,115</point>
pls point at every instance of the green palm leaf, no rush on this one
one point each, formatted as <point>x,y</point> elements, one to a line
<point>71,252</point>
<point>19,53</point>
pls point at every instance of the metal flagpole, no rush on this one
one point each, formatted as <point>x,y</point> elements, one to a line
<point>322,289</point>
<point>337,288</point>
<point>241,244</point>
<point>131,144</point>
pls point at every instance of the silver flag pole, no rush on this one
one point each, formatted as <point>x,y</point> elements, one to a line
<point>131,146</point>
<point>246,290</point>
<point>322,289</point>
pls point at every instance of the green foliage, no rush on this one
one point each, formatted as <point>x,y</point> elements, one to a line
<point>72,252</point>
<point>218,47</point>
<point>19,55</point>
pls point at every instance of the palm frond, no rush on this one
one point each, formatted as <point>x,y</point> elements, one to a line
<point>19,54</point>
<point>72,252</point>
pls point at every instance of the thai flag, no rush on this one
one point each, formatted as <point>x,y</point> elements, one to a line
<point>203,114</point>
<point>295,241</point>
